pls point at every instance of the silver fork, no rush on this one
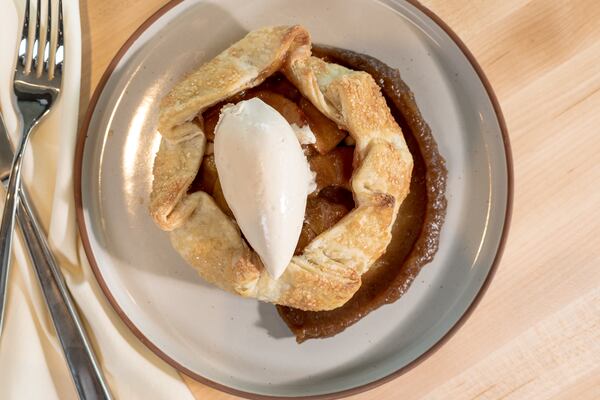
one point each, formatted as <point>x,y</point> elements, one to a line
<point>37,83</point>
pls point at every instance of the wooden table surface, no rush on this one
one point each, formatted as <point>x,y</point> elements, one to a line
<point>536,333</point>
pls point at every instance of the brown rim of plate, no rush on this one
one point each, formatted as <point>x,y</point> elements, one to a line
<point>82,135</point>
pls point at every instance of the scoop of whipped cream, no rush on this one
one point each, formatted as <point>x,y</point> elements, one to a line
<point>265,179</point>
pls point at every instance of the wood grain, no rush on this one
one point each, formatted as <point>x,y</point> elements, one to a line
<point>536,334</point>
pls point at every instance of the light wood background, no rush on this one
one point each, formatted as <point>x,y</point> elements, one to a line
<point>536,334</point>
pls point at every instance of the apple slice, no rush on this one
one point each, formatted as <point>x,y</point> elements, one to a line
<point>334,168</point>
<point>326,131</point>
<point>219,197</point>
<point>284,106</point>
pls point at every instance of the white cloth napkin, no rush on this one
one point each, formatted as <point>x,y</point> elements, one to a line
<point>31,359</point>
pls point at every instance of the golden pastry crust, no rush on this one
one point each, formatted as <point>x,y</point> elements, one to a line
<point>328,271</point>
<point>245,64</point>
<point>175,167</point>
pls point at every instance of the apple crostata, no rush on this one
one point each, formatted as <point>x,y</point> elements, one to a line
<point>282,170</point>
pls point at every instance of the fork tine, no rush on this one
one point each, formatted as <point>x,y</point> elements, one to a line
<point>43,28</point>
<point>24,33</point>
<point>32,21</point>
<point>54,20</point>
<point>61,43</point>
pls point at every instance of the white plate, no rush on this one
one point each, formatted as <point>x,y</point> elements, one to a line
<point>241,345</point>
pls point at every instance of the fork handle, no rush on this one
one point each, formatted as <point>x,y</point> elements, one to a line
<point>8,223</point>
<point>84,367</point>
